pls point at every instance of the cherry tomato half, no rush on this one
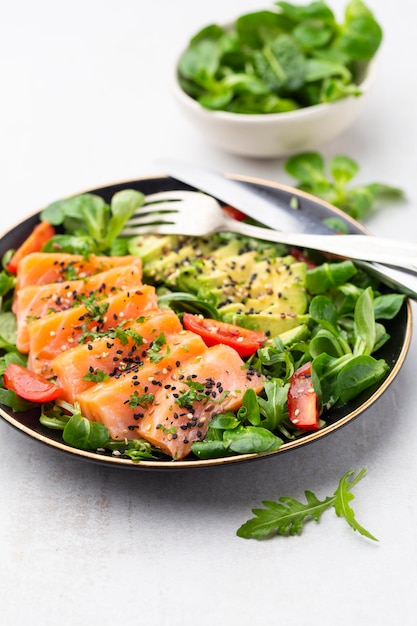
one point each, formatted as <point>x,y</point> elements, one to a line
<point>243,340</point>
<point>234,213</point>
<point>34,243</point>
<point>301,256</point>
<point>302,399</point>
<point>29,385</point>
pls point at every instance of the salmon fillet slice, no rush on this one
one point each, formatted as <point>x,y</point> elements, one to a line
<point>119,403</point>
<point>186,392</point>
<point>39,268</point>
<point>36,301</point>
<point>115,354</point>
<point>60,331</point>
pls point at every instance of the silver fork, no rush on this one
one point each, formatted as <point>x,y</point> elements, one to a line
<point>197,214</point>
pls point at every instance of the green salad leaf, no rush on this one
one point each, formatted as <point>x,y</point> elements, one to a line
<point>90,224</point>
<point>288,516</point>
<point>281,59</point>
<point>331,182</point>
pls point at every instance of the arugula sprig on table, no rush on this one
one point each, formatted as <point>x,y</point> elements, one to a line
<point>287,516</point>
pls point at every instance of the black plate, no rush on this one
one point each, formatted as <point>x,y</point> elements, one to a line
<point>394,351</point>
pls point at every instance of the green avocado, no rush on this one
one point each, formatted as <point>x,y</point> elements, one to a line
<point>163,255</point>
<point>249,283</point>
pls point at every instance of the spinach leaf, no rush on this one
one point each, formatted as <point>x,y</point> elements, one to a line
<point>281,59</point>
<point>81,433</point>
<point>281,64</point>
<point>358,374</point>
<point>327,275</point>
<point>11,399</point>
<point>251,439</point>
<point>388,305</point>
<point>8,330</point>
<point>364,324</point>
<point>249,411</point>
<point>90,224</point>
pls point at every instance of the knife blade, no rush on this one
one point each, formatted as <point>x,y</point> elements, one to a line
<point>267,208</point>
<point>256,202</point>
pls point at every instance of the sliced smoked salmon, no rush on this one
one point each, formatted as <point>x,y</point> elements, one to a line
<point>39,268</point>
<point>60,331</point>
<point>170,404</point>
<point>120,350</point>
<point>93,326</point>
<point>36,301</point>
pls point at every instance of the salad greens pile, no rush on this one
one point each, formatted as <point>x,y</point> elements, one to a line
<point>282,59</point>
<point>345,330</point>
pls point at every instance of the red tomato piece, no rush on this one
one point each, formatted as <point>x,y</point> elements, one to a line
<point>213,332</point>
<point>301,256</point>
<point>29,385</point>
<point>302,399</point>
<point>234,213</point>
<point>34,243</point>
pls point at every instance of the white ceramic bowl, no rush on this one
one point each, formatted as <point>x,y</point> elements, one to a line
<point>275,134</point>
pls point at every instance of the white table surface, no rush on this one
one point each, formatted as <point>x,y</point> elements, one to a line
<point>85,102</point>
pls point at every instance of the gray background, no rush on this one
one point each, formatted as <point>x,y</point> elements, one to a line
<point>85,101</point>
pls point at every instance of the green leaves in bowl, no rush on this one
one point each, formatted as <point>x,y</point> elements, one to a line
<point>279,60</point>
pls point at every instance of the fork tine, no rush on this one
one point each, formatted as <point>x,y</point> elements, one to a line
<point>152,229</point>
<point>158,206</point>
<point>176,194</point>
<point>150,218</point>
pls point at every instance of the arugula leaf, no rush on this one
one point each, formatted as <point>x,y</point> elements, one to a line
<point>288,515</point>
<point>342,497</point>
<point>274,407</point>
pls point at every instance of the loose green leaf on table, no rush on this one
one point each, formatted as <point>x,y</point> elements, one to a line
<point>287,516</point>
<point>330,181</point>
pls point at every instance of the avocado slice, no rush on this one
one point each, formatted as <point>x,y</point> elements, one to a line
<point>272,324</point>
<point>248,282</point>
<point>163,255</point>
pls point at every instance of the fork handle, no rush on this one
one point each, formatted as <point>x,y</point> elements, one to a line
<point>402,254</point>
